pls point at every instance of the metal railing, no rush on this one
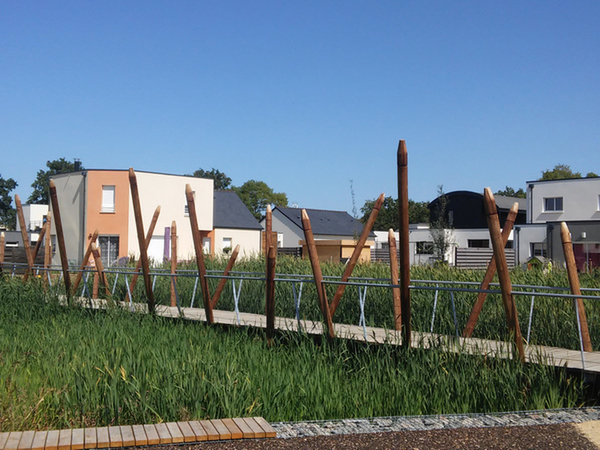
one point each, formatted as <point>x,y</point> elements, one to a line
<point>363,285</point>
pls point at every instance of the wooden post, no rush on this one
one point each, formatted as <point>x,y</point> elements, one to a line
<point>489,274</point>
<point>25,238</point>
<point>139,225</point>
<point>356,254</point>
<point>510,308</point>
<point>565,235</point>
<point>38,244</point>
<point>173,262</point>
<point>138,265</point>
<point>2,246</point>
<point>60,237</point>
<point>199,254</point>
<point>86,258</point>
<point>48,248</point>
<point>223,281</point>
<point>270,293</point>
<point>100,268</point>
<point>316,268</point>
<point>394,280</point>
<point>268,233</point>
<point>402,161</point>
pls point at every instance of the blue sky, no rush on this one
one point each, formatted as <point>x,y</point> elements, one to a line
<point>304,95</point>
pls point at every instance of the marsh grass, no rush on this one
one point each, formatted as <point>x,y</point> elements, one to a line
<point>64,366</point>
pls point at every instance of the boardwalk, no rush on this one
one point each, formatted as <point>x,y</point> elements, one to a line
<point>559,357</point>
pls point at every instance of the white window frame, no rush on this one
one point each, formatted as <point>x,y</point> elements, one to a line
<point>108,199</point>
<point>554,204</point>
<point>227,243</point>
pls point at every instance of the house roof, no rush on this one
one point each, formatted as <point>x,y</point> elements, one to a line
<point>230,212</point>
<point>324,222</point>
<point>503,202</point>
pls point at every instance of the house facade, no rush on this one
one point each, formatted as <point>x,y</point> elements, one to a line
<point>101,199</point>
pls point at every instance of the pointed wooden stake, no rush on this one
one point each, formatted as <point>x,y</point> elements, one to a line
<point>25,238</point>
<point>139,225</point>
<point>508,301</point>
<point>316,268</point>
<point>2,247</point>
<point>402,159</point>
<point>60,237</point>
<point>565,236</point>
<point>394,279</point>
<point>489,274</point>
<point>270,294</point>
<point>356,253</point>
<point>199,254</point>
<point>100,268</point>
<point>173,262</point>
<point>223,281</point>
<point>138,265</point>
<point>85,261</point>
<point>48,248</point>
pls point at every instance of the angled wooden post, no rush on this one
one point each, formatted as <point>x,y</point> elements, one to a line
<point>316,268</point>
<point>394,279</point>
<point>2,247</point>
<point>139,225</point>
<point>25,238</point>
<point>508,301</point>
<point>100,268</point>
<point>270,293</point>
<point>402,160</point>
<point>47,248</point>
<point>489,274</point>
<point>38,244</point>
<point>223,281</point>
<point>356,253</point>
<point>173,262</point>
<point>86,259</point>
<point>268,232</point>
<point>565,236</point>
<point>60,238</point>
<point>138,265</point>
<point>199,254</point>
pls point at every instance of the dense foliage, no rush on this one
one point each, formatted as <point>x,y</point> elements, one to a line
<point>67,367</point>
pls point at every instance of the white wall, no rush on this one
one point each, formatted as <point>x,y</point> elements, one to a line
<point>248,240</point>
<point>580,200</point>
<point>168,191</point>
<point>34,216</point>
<point>291,234</point>
<point>524,236</point>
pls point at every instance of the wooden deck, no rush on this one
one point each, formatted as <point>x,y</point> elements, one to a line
<point>553,355</point>
<point>138,435</point>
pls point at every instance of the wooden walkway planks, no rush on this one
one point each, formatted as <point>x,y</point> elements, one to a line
<point>138,435</point>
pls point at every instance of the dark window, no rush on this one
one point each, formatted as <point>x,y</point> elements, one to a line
<point>538,249</point>
<point>109,249</point>
<point>553,204</point>
<point>424,248</point>
<point>478,243</point>
<point>509,244</point>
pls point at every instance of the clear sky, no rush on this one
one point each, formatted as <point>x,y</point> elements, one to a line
<point>304,95</point>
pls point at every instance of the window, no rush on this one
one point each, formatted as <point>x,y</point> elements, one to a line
<point>424,248</point>
<point>206,245</point>
<point>227,245</point>
<point>538,249</point>
<point>478,243</point>
<point>109,249</point>
<point>553,204</point>
<point>509,244</point>
<point>108,199</point>
<point>279,240</point>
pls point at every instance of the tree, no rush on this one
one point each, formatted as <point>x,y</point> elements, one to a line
<point>256,195</point>
<point>8,214</point>
<point>221,180</point>
<point>510,192</point>
<point>39,196</point>
<point>560,172</point>
<point>440,227</point>
<point>388,214</point>
<point>592,175</point>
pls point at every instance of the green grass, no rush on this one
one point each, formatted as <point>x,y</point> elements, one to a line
<point>554,321</point>
<point>69,367</point>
